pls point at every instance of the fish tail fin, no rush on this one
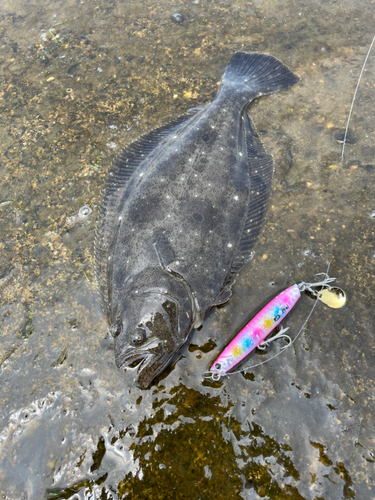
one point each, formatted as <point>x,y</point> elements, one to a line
<point>260,74</point>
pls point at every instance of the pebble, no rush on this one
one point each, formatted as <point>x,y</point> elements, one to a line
<point>177,18</point>
<point>84,211</point>
<point>340,135</point>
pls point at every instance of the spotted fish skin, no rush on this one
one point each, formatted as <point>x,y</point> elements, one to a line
<point>182,208</point>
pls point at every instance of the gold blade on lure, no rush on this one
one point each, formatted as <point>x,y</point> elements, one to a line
<point>333,297</point>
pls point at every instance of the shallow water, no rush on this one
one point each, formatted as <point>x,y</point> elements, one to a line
<point>80,80</point>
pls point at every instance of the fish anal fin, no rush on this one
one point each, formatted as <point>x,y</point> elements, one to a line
<point>261,170</point>
<point>223,297</point>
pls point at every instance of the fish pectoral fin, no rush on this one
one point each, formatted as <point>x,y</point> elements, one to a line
<point>223,297</point>
<point>195,308</point>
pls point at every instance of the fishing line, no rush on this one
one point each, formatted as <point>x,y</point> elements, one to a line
<point>355,94</point>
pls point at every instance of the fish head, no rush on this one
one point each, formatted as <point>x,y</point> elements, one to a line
<point>147,334</point>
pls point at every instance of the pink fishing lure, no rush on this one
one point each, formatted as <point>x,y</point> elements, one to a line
<point>256,331</point>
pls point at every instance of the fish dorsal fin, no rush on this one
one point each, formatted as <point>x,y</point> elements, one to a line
<point>137,151</point>
<point>261,170</point>
<point>118,176</point>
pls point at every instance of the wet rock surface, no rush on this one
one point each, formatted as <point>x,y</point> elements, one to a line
<point>78,82</point>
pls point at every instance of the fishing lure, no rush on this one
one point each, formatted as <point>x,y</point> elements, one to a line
<point>255,332</point>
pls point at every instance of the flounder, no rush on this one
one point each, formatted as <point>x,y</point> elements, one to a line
<point>182,208</point>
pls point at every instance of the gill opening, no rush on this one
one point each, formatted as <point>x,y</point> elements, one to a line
<point>197,315</point>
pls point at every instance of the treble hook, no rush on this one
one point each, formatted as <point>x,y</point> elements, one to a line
<point>310,287</point>
<point>281,335</point>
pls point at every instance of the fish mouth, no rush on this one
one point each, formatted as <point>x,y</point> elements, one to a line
<point>128,359</point>
<point>147,364</point>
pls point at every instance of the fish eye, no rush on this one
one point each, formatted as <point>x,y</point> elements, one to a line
<point>115,330</point>
<point>138,336</point>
